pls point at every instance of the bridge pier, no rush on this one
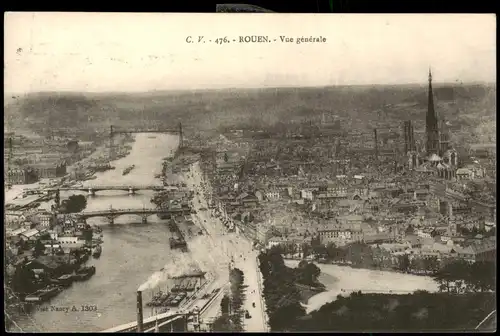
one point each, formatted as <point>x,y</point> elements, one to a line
<point>144,219</point>
<point>91,192</point>
<point>111,220</point>
<point>131,191</point>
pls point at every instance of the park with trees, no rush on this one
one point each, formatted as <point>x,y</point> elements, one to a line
<point>282,295</point>
<point>466,297</point>
<point>421,311</point>
<point>459,277</point>
<point>74,204</point>
<point>231,318</point>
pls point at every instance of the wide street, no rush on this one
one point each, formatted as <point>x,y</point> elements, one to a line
<point>234,247</point>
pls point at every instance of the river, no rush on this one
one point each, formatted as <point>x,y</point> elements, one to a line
<point>132,251</point>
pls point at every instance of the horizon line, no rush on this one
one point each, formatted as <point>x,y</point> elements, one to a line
<point>456,83</point>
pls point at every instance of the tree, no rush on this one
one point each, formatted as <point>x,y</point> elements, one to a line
<point>482,276</point>
<point>75,203</point>
<point>417,264</point>
<point>226,158</point>
<point>403,263</point>
<point>360,254</point>
<point>87,234</point>
<point>431,264</point>
<point>45,236</point>
<point>224,305</point>
<point>23,280</point>
<point>22,244</point>
<point>39,248</point>
<point>319,250</point>
<point>223,323</point>
<point>77,254</point>
<point>316,241</point>
<point>310,274</point>
<point>306,249</point>
<point>283,319</point>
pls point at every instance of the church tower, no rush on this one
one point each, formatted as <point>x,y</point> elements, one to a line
<point>431,123</point>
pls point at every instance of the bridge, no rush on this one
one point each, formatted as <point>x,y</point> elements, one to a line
<point>113,131</point>
<point>111,214</point>
<point>92,189</point>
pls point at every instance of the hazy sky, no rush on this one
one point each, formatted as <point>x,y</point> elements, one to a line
<point>142,52</point>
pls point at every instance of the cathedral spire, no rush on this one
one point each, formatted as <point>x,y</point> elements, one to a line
<point>431,125</point>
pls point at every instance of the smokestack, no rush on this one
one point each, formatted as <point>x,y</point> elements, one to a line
<point>139,312</point>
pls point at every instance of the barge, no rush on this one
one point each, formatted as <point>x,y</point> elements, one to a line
<point>177,243</point>
<point>128,169</point>
<point>101,167</point>
<point>44,294</point>
<point>84,273</point>
<point>65,280</point>
<point>96,252</point>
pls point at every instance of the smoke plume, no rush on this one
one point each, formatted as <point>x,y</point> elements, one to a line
<point>204,255</point>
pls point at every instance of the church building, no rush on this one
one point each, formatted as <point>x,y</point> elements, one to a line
<point>439,158</point>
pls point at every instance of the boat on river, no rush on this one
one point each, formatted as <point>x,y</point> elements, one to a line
<point>84,273</point>
<point>43,294</point>
<point>101,167</point>
<point>177,241</point>
<point>64,280</point>
<point>96,252</point>
<point>128,169</point>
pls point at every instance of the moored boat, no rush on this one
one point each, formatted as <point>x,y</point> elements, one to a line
<point>44,294</point>
<point>96,252</point>
<point>128,169</point>
<point>85,257</point>
<point>101,167</point>
<point>177,242</point>
<point>84,273</point>
<point>65,280</point>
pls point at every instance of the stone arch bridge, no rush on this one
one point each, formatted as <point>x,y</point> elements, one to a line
<point>92,189</point>
<point>112,214</point>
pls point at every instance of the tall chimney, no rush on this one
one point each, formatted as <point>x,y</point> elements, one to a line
<point>139,312</point>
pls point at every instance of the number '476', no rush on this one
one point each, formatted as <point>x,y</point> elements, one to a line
<point>221,40</point>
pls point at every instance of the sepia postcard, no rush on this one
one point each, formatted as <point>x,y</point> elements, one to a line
<point>249,172</point>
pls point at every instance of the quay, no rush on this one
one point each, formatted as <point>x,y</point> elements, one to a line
<point>177,320</point>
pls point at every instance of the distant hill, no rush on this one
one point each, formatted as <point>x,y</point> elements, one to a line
<point>358,107</point>
<point>453,93</point>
